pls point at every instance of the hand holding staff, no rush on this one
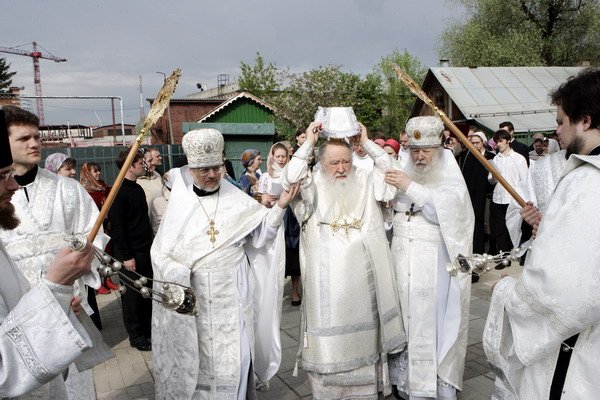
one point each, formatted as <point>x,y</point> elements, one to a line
<point>417,91</point>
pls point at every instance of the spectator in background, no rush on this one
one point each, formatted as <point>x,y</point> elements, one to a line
<point>300,138</point>
<point>251,160</point>
<point>151,181</point>
<point>269,185</point>
<point>159,204</point>
<point>132,238</point>
<point>513,167</point>
<point>515,145</point>
<point>475,175</point>
<point>228,167</point>
<point>538,150</point>
<point>403,153</point>
<point>392,147</point>
<point>61,164</point>
<point>90,178</point>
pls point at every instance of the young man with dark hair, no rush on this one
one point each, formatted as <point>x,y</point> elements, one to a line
<point>36,320</point>
<point>517,146</point>
<point>542,331</point>
<point>132,237</point>
<point>513,167</point>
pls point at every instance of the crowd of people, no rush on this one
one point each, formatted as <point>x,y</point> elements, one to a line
<point>366,230</point>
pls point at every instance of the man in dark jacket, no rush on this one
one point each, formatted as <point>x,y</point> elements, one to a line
<point>132,237</point>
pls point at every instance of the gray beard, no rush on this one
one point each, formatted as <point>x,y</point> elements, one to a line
<point>426,175</point>
<point>340,196</point>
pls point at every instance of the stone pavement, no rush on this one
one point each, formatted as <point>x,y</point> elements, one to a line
<point>129,374</point>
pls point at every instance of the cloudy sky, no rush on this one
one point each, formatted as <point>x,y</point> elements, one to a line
<point>109,43</point>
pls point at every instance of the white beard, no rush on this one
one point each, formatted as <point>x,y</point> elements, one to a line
<point>340,195</point>
<point>428,175</point>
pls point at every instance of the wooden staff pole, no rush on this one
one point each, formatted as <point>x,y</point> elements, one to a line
<point>156,111</point>
<point>417,91</point>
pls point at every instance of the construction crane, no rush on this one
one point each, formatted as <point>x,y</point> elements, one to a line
<point>36,55</point>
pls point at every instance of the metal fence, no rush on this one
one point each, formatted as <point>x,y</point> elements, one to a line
<point>106,156</point>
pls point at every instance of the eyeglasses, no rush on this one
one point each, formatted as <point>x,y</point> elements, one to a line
<point>7,175</point>
<point>205,171</point>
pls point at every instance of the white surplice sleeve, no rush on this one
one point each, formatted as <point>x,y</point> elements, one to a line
<point>298,170</point>
<point>38,340</point>
<point>382,163</point>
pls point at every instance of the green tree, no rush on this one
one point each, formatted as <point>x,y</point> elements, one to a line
<point>259,79</point>
<point>397,99</point>
<point>524,32</point>
<point>328,86</point>
<point>5,75</point>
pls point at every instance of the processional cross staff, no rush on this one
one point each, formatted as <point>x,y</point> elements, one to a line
<point>417,91</point>
<point>170,294</point>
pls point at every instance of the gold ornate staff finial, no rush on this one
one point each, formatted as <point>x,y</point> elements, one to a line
<point>159,105</point>
<point>417,91</point>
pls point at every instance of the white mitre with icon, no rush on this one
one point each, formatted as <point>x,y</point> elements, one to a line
<point>203,148</point>
<point>424,132</point>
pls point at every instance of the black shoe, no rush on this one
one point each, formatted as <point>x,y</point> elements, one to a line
<point>296,303</point>
<point>474,278</point>
<point>142,345</point>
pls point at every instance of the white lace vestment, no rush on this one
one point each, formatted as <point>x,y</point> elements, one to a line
<point>238,283</point>
<point>350,309</point>
<point>435,306</point>
<point>39,335</point>
<point>556,297</point>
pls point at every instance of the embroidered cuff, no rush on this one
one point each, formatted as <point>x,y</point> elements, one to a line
<point>62,293</point>
<point>419,193</point>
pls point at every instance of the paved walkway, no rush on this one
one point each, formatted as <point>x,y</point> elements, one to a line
<point>129,374</point>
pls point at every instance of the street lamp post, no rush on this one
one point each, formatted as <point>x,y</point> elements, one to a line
<point>170,123</point>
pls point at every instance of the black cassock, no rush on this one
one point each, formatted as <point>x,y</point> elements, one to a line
<point>475,176</point>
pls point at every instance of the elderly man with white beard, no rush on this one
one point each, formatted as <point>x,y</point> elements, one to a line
<point>433,224</point>
<point>350,310</point>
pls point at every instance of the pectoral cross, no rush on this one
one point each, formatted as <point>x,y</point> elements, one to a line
<point>411,212</point>
<point>347,225</point>
<point>212,232</point>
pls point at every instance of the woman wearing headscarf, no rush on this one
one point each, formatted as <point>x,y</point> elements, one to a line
<point>91,180</point>
<point>251,160</point>
<point>269,187</point>
<point>61,164</point>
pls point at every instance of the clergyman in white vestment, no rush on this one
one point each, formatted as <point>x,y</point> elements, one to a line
<point>542,334</point>
<point>230,250</point>
<point>433,224</point>
<point>50,207</point>
<point>39,333</point>
<point>350,312</point>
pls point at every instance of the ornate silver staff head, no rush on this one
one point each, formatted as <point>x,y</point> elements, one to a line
<point>482,263</point>
<point>171,295</point>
